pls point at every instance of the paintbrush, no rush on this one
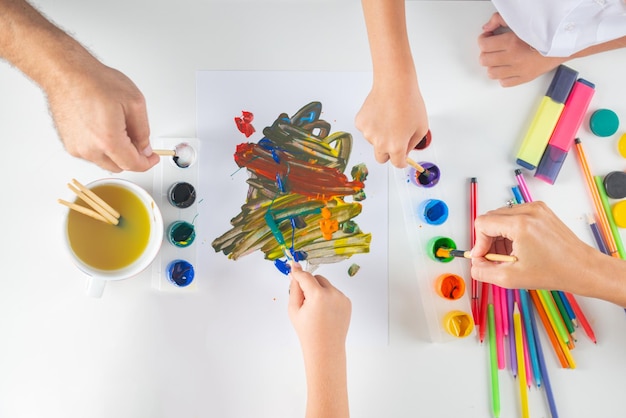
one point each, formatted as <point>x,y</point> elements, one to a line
<point>424,174</point>
<point>271,223</point>
<point>443,252</point>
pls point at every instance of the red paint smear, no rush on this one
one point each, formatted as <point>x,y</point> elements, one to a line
<point>301,177</point>
<point>244,123</point>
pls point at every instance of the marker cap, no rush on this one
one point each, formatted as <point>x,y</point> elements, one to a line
<point>550,164</point>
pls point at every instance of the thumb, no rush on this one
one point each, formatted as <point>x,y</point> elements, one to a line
<point>296,297</point>
<point>494,23</point>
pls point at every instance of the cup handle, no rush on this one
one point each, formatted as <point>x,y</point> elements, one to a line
<point>95,287</point>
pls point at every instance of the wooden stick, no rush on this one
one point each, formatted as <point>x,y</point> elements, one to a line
<point>83,210</point>
<point>97,199</point>
<point>106,215</point>
<point>165,152</point>
<point>415,165</point>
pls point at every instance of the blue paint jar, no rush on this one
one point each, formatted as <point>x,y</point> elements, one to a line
<point>180,273</point>
<point>433,211</point>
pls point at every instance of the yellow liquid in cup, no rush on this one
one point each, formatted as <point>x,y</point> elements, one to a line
<point>110,247</point>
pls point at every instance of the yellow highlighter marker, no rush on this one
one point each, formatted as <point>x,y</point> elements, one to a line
<point>538,135</point>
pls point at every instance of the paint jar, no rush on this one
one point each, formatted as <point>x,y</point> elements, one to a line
<point>182,195</point>
<point>458,324</point>
<point>433,211</point>
<point>425,180</point>
<point>180,273</point>
<point>450,286</point>
<point>440,242</point>
<point>424,142</point>
<point>181,234</point>
<point>185,155</point>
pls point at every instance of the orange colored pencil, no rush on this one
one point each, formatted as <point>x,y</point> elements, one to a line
<point>595,196</point>
<point>546,324</point>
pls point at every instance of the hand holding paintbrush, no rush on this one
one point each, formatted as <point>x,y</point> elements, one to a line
<point>443,252</point>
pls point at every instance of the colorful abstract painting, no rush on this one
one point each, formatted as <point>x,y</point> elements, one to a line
<point>300,203</point>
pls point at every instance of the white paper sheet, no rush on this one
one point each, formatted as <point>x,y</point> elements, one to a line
<point>250,294</point>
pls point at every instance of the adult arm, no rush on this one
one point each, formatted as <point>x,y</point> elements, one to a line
<point>512,61</point>
<point>393,117</point>
<point>549,255</point>
<point>320,315</point>
<point>99,113</point>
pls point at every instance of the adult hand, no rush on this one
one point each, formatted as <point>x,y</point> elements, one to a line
<point>549,255</point>
<point>393,119</point>
<point>101,116</point>
<point>508,59</point>
<point>319,312</point>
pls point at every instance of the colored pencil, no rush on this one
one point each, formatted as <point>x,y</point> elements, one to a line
<point>581,317</point>
<point>604,199</point>
<point>544,369</point>
<point>567,320</point>
<point>595,197</point>
<point>597,235</point>
<point>553,315</point>
<point>484,297</point>
<point>495,290</point>
<point>510,298</point>
<point>521,372</point>
<point>532,348</point>
<point>493,362</point>
<point>474,284</point>
<point>554,340</point>
<point>505,311</point>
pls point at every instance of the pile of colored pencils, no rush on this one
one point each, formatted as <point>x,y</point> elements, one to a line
<point>509,316</point>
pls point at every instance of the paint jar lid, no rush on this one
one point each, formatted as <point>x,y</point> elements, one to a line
<point>433,211</point>
<point>182,195</point>
<point>450,286</point>
<point>180,273</point>
<point>621,145</point>
<point>615,184</point>
<point>603,122</point>
<point>425,141</point>
<point>438,242</point>
<point>619,213</point>
<point>181,234</point>
<point>458,324</point>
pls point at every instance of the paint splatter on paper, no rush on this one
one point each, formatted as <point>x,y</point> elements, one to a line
<point>244,123</point>
<point>296,176</point>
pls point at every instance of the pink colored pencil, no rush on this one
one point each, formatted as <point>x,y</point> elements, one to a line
<point>495,290</point>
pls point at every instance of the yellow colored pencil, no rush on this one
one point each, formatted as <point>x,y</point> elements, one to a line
<point>521,368</point>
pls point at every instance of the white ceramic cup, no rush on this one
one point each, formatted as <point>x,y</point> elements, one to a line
<point>97,278</point>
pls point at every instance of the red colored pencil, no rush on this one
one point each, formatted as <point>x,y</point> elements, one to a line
<point>474,290</point>
<point>581,317</point>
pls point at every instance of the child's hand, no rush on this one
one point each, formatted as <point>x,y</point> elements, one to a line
<point>319,312</point>
<point>508,59</point>
<point>393,119</point>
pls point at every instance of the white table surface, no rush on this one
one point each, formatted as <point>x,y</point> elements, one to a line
<point>135,353</point>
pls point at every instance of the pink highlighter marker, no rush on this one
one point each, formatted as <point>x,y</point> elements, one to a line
<point>565,131</point>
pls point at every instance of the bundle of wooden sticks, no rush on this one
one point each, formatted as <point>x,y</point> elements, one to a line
<point>101,210</point>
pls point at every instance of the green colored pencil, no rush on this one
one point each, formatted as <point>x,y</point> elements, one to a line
<point>493,362</point>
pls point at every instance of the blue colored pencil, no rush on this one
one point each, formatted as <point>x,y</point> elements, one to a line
<point>544,370</point>
<point>532,349</point>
